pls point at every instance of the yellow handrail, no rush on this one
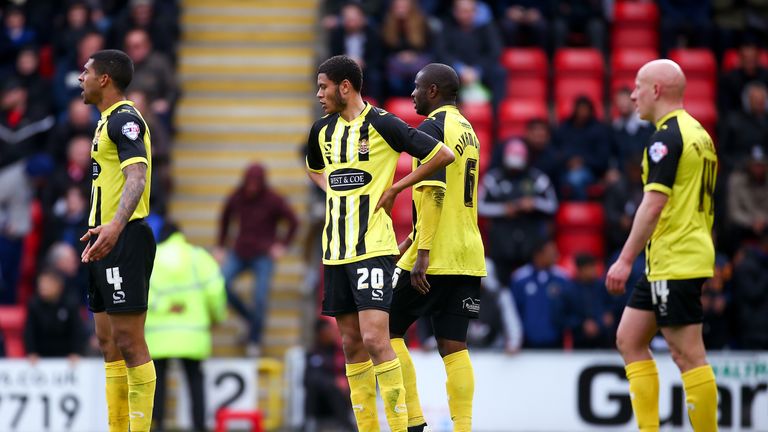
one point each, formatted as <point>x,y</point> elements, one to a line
<point>273,370</point>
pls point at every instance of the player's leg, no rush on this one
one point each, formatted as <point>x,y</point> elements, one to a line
<point>400,320</point>
<point>339,302</point>
<point>116,375</point>
<point>263,267</point>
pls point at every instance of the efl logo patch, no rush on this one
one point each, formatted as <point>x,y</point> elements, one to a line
<point>657,151</point>
<point>131,130</point>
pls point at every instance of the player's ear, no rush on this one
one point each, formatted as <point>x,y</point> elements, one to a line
<point>345,86</point>
<point>103,80</point>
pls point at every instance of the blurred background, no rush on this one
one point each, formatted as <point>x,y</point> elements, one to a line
<point>227,89</point>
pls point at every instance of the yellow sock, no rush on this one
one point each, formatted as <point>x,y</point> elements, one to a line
<point>141,395</point>
<point>390,377</point>
<point>117,396</point>
<point>644,391</point>
<point>415,415</point>
<point>460,386</point>
<point>362,391</point>
<point>701,398</point>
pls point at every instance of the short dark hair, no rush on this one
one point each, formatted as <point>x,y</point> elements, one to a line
<point>444,77</point>
<point>339,68</point>
<point>116,64</point>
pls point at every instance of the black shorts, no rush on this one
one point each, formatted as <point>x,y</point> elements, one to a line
<point>357,286</point>
<point>119,282</point>
<point>675,302</point>
<point>449,295</point>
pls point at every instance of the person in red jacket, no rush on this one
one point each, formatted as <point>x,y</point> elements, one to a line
<point>266,227</point>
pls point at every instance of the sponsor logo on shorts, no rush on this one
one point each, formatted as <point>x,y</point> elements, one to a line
<point>114,279</point>
<point>377,294</point>
<point>471,305</point>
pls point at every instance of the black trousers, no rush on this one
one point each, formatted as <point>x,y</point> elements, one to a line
<point>194,376</point>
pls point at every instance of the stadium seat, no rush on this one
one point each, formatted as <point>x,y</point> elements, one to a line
<point>636,14</point>
<point>574,243</point>
<point>625,62</point>
<point>570,88</point>
<point>527,88</point>
<point>486,149</point>
<point>403,108</point>
<point>402,210</point>
<point>579,63</point>
<point>525,62</point>
<point>564,109</point>
<point>731,59</point>
<point>629,37</point>
<point>12,319</point>
<point>480,115</point>
<point>580,215</point>
<point>514,114</point>
<point>700,89</point>
<point>696,63</point>
<point>705,112</point>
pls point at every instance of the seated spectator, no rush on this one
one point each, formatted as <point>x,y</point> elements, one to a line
<point>732,83</point>
<point>407,39</point>
<point>630,133</point>
<point>157,19</point>
<point>75,25</point>
<point>541,152</point>
<point>750,280</point>
<point>585,147</point>
<point>76,171</point>
<point>525,22</point>
<point>65,258</point>
<point>472,50</point>
<point>27,71</point>
<point>54,327</point>
<point>746,128</point>
<point>748,199</point>
<point>68,220</point>
<point>589,307</point>
<point>685,23</point>
<point>715,301</point>
<point>331,11</point>
<point>357,38</point>
<point>65,83</point>
<point>15,30</point>
<point>79,120</point>
<point>579,23</point>
<point>327,390</point>
<point>519,201</point>
<point>621,200</point>
<point>539,290</point>
<point>153,74</point>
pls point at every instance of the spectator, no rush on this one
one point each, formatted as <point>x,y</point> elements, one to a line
<point>715,300</point>
<point>15,28</point>
<point>325,383</point>
<point>585,145</point>
<point>153,74</point>
<point>621,201</point>
<point>79,120</point>
<point>520,202</point>
<point>407,38</point>
<point>332,11</point>
<point>525,22</point>
<point>472,50</point>
<point>186,297</point>
<point>579,22</point>
<point>68,219</point>
<point>539,290</point>
<point>732,83</point>
<point>66,85</point>
<point>259,211</point>
<point>750,279</point>
<point>630,133</point>
<point>75,25</point>
<point>747,128</point>
<point>54,327</point>
<point>748,199</point>
<point>27,71</point>
<point>541,153</point>
<point>158,22</point>
<point>76,171</point>
<point>589,308</point>
<point>685,23</point>
<point>357,38</point>
<point>23,133</point>
<point>65,259</point>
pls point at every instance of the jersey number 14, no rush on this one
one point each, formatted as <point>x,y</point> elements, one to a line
<point>707,190</point>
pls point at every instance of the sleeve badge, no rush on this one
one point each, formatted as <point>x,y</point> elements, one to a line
<point>131,130</point>
<point>657,151</point>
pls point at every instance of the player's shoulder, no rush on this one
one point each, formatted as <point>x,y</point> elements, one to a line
<point>124,113</point>
<point>669,132</point>
<point>324,120</point>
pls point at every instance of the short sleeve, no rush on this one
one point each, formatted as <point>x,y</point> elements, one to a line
<point>663,155</point>
<point>315,162</point>
<point>403,138</point>
<point>127,131</point>
<point>432,128</point>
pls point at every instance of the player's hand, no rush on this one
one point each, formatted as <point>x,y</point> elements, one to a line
<point>617,276</point>
<point>419,272</point>
<point>387,201</point>
<point>107,238</point>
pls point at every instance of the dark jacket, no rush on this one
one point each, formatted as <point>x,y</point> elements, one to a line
<point>53,329</point>
<point>751,295</point>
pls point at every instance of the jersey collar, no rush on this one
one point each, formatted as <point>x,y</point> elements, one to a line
<point>668,116</point>
<point>444,108</point>
<point>109,110</point>
<point>356,119</point>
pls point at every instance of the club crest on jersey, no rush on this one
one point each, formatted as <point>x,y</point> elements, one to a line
<point>363,150</point>
<point>131,130</point>
<point>657,151</point>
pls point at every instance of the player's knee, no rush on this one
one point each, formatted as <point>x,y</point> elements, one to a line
<point>126,342</point>
<point>626,345</point>
<point>352,344</point>
<point>375,343</point>
<point>447,347</point>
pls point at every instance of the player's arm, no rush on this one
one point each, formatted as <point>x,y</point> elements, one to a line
<point>314,161</point>
<point>127,131</point>
<point>431,208</point>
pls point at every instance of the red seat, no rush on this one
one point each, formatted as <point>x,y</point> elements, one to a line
<point>700,89</point>
<point>525,62</point>
<point>635,37</point>
<point>580,215</point>
<point>403,108</point>
<point>485,137</point>
<point>705,112</point>
<point>579,63</point>
<point>479,115</point>
<point>527,88</point>
<point>514,114</point>
<point>12,320</point>
<point>732,61</point>
<point>567,90</point>
<point>696,63</point>
<point>625,62</point>
<point>635,13</point>
<point>574,243</point>
<point>402,213</point>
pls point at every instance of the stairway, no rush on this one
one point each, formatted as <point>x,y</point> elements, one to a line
<point>246,69</point>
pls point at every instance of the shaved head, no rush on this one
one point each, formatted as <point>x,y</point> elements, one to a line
<point>659,89</point>
<point>665,73</point>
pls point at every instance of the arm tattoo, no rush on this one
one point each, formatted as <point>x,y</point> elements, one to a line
<point>438,194</point>
<point>135,180</point>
